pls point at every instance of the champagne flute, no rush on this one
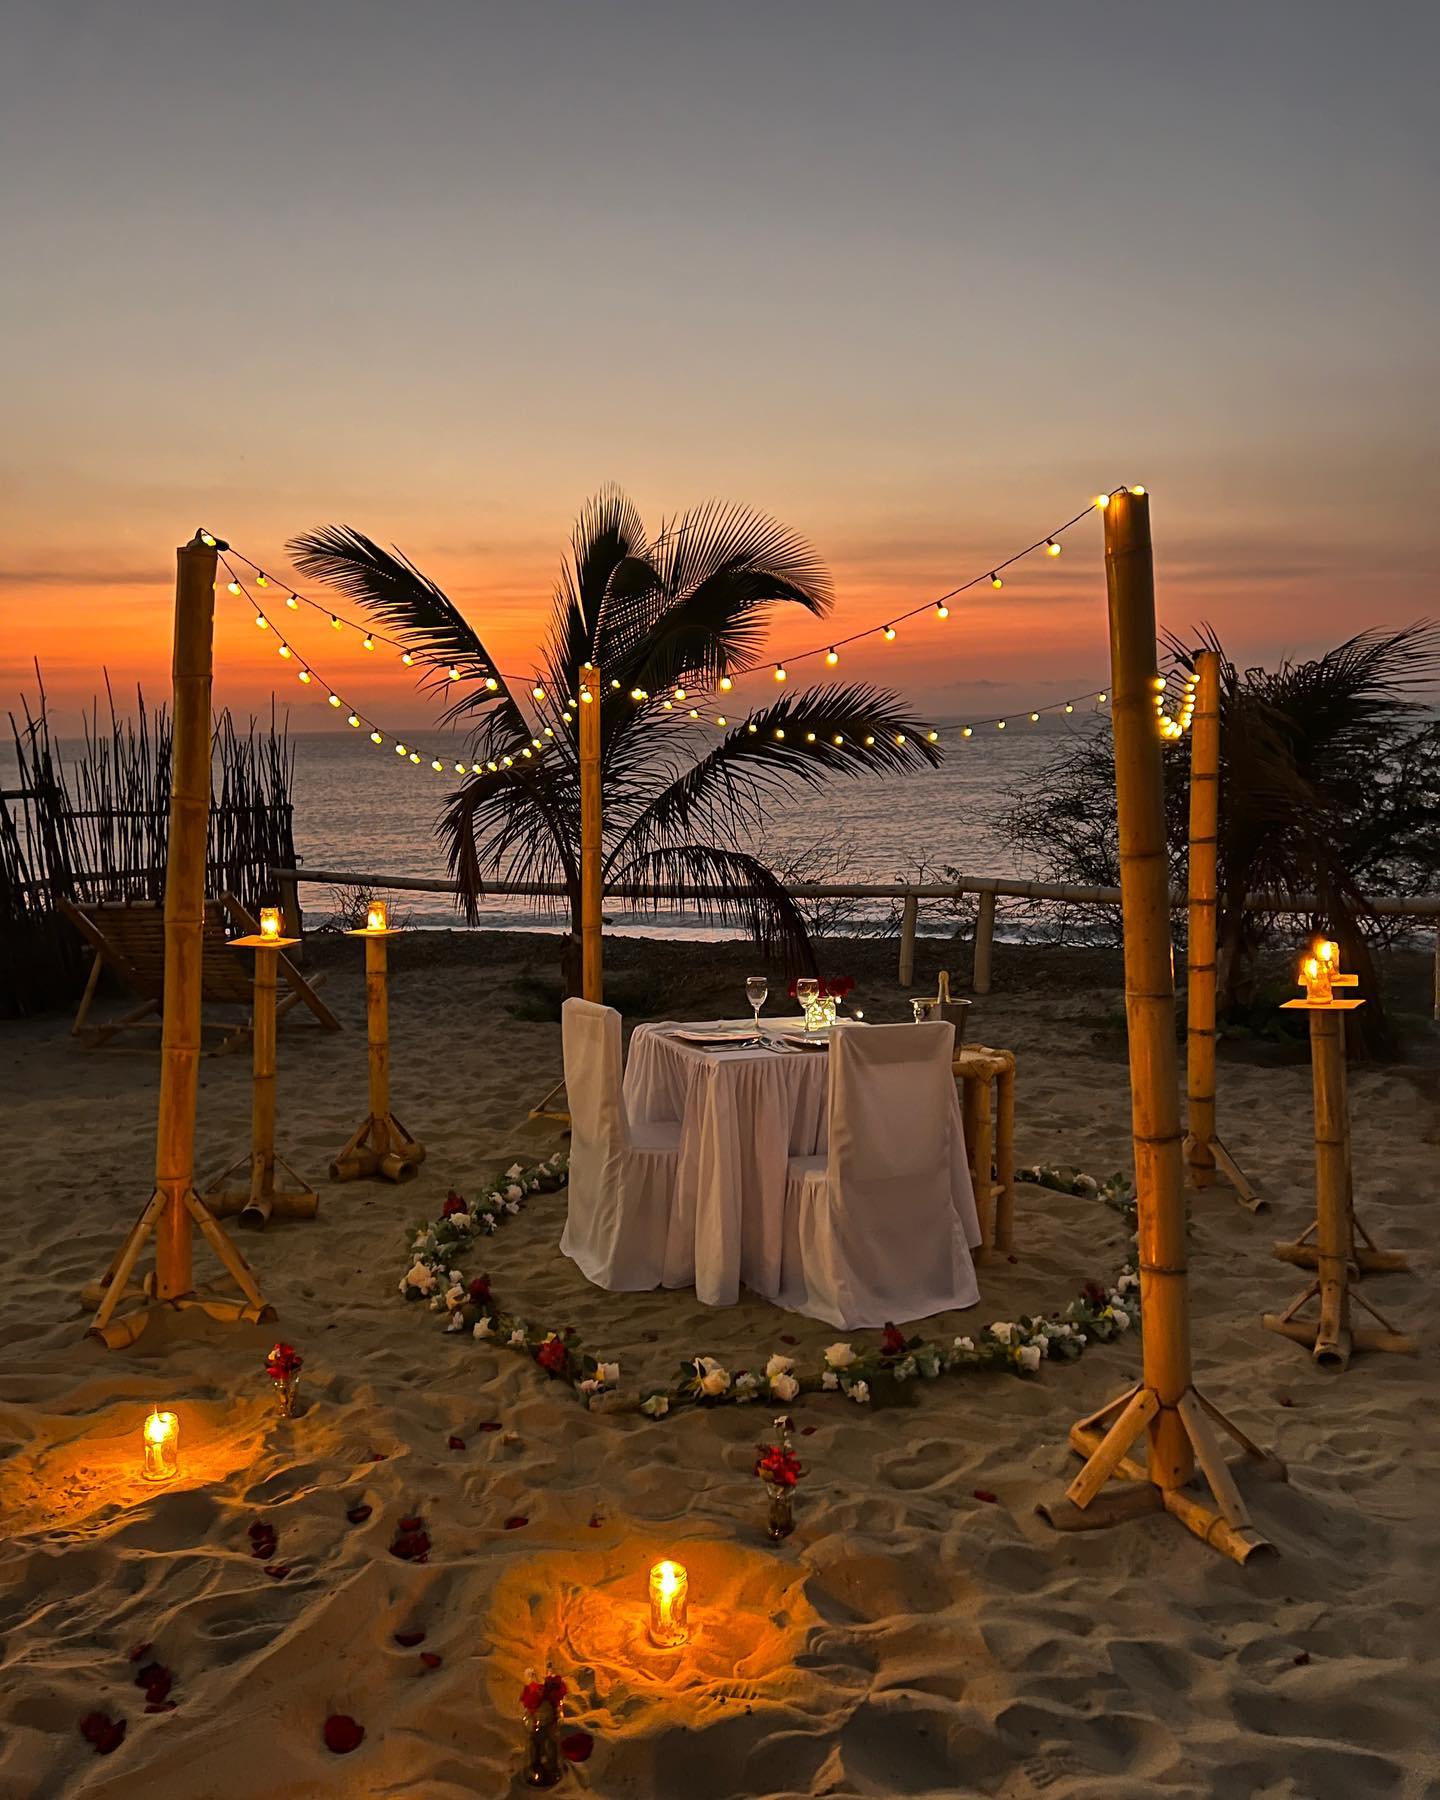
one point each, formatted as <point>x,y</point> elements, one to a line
<point>756,990</point>
<point>807,991</point>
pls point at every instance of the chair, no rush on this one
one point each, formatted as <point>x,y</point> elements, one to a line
<point>622,1175</point>
<point>128,937</point>
<point>879,1229</point>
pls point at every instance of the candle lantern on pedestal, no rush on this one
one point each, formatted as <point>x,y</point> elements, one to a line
<point>380,1145</point>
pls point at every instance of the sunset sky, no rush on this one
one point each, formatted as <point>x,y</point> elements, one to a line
<point>918,279</point>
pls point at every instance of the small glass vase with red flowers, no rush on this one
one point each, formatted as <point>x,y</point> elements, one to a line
<point>283,1366</point>
<point>779,1468</point>
<point>540,1703</point>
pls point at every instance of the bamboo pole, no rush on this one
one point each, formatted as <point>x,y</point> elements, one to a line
<point>984,941</point>
<point>184,914</point>
<point>591,943</point>
<point>909,923</point>
<point>1149,984</point>
<point>380,1144</point>
<point>1161,1407</point>
<point>1200,961</point>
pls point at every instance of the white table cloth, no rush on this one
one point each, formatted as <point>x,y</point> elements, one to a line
<point>743,1114</point>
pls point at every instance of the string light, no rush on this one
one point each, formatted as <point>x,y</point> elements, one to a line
<point>889,634</point>
<point>780,674</point>
<point>335,625</point>
<point>368,642</point>
<point>942,611</point>
<point>293,602</point>
<point>305,677</point>
<point>262,621</point>
<point>995,580</point>
<point>726,684</point>
<point>1051,547</point>
<point>334,699</point>
<point>832,656</point>
<point>285,651</point>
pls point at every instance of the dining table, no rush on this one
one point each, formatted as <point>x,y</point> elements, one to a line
<point>746,1103</point>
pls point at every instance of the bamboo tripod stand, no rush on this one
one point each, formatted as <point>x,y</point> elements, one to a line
<point>592,972</point>
<point>260,1198</point>
<point>174,1206</point>
<point>1204,1153</point>
<point>1334,1253</point>
<point>1181,1427</point>
<point>379,1144</point>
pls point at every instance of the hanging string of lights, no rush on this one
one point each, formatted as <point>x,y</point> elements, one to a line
<point>1173,713</point>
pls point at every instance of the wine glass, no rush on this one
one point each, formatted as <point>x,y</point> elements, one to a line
<point>756,990</point>
<point>807,991</point>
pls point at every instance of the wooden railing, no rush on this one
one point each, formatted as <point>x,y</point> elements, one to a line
<point>989,888</point>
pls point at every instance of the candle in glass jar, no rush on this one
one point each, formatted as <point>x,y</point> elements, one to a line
<point>375,916</point>
<point>669,1604</point>
<point>269,921</point>
<point>161,1437</point>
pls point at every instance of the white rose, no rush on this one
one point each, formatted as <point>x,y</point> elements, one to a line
<point>1028,1357</point>
<point>839,1356</point>
<point>484,1327</point>
<point>514,1170</point>
<point>712,1378</point>
<point>454,1296</point>
<point>1086,1184</point>
<point>784,1387</point>
<point>830,1381</point>
<point>609,1373</point>
<point>779,1365</point>
<point>588,1386</point>
<point>514,1193</point>
<point>1122,1321</point>
<point>420,1278</point>
<point>859,1392</point>
<point>517,1336</point>
<point>656,1406</point>
<point>456,1322</point>
<point>964,1343</point>
<point>1003,1331</point>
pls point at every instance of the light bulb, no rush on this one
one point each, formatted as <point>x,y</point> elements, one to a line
<point>491,683</point>
<point>285,651</point>
<point>293,602</point>
<point>967,731</point>
<point>720,719</point>
<point>453,672</point>
<point>752,729</point>
<point>693,713</point>
<point>1159,684</point>
<point>779,731</point>
<point>207,540</point>
<point>837,739</point>
<point>1068,707</point>
<point>832,656</point>
<point>335,623</point>
<point>899,737</point>
<point>889,634</point>
<point>415,756</point>
<point>537,691</point>
<point>407,659</point>
<point>995,580</point>
<point>1100,698</point>
<point>1137,489</point>
<point>1034,718</point>
<point>305,677</point>
<point>1051,547</point>
<point>933,736</point>
<point>726,684</point>
<point>942,611</point>
<point>999,724</point>
<point>780,674</point>
<point>234,587</point>
<point>436,764</point>
<point>354,720</point>
<point>367,641</point>
<point>1102,501</point>
<point>399,749</point>
<point>809,737</point>
<point>262,622</point>
<point>636,695</point>
<point>869,743</point>
<point>376,738</point>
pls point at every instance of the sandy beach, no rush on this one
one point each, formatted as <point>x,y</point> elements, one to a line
<point>922,1633</point>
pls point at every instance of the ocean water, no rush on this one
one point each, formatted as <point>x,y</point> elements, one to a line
<point>374,814</point>
<point>360,808</point>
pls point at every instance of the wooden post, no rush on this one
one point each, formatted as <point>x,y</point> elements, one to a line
<point>1169,1424</point>
<point>174,1206</point>
<point>260,1197</point>
<point>1206,1155</point>
<point>380,1144</point>
<point>592,971</point>
<point>984,942</point>
<point>909,920</point>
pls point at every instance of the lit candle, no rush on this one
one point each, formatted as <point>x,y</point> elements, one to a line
<point>161,1436</point>
<point>669,1603</point>
<point>1315,977</point>
<point>375,916</point>
<point>270,921</point>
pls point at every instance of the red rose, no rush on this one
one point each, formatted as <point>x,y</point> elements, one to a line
<point>454,1203</point>
<point>343,1734</point>
<point>778,1465</point>
<point>549,1692</point>
<point>576,1746</point>
<point>552,1355</point>
<point>1094,1293</point>
<point>283,1362</point>
<point>102,1732</point>
<point>892,1343</point>
<point>554,1689</point>
<point>480,1289</point>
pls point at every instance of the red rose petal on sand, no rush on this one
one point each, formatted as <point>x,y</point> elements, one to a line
<point>105,1733</point>
<point>490,1425</point>
<point>1302,1659</point>
<point>160,1706</point>
<point>986,1495</point>
<point>807,1431</point>
<point>596,1519</point>
<point>156,1680</point>
<point>786,1338</point>
<point>379,1455</point>
<point>413,1523</point>
<point>412,1546</point>
<point>1284,1400</point>
<point>140,1650</point>
<point>277,1571</point>
<point>407,1640</point>
<point>454,1443</point>
<point>515,1521</point>
<point>430,1659</point>
<point>577,1746</point>
<point>343,1734</point>
<point>357,1515</point>
<point>258,1528</point>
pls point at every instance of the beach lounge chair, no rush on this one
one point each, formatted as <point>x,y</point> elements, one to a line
<point>128,938</point>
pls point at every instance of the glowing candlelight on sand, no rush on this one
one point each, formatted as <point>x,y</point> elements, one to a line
<point>269,921</point>
<point>376,917</point>
<point>669,1604</point>
<point>160,1435</point>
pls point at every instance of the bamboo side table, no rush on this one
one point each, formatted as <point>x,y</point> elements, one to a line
<point>260,1198</point>
<point>981,1070</point>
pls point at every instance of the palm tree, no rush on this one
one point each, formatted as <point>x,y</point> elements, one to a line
<point>686,613</point>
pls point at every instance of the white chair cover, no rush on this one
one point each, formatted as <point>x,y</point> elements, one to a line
<point>620,1179</point>
<point>880,1230</point>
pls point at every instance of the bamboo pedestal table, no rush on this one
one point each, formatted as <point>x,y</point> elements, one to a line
<point>259,1199</point>
<point>380,1145</point>
<point>1333,1255</point>
<point>981,1070</point>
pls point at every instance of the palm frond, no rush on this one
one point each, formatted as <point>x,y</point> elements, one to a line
<point>734,889</point>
